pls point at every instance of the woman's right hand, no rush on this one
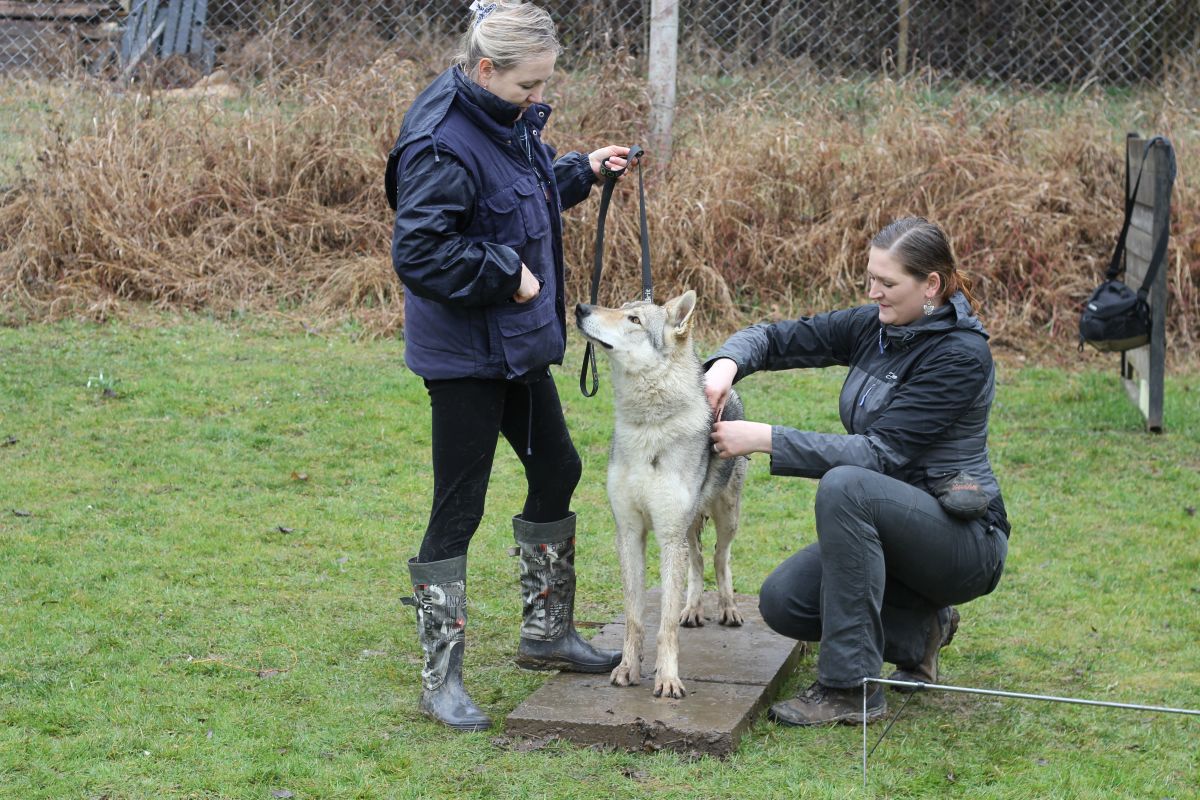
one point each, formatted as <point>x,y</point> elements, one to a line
<point>612,157</point>
<point>529,288</point>
<point>717,383</point>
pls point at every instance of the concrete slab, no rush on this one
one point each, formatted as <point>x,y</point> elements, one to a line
<point>731,675</point>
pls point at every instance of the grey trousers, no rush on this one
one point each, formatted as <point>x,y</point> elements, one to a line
<point>887,561</point>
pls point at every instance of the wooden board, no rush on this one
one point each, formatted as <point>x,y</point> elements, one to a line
<point>179,25</point>
<point>1142,369</point>
<point>731,675</point>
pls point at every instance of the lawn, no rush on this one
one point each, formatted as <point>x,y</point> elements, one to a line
<point>204,527</point>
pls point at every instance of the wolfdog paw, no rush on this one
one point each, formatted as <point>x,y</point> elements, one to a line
<point>731,616</point>
<point>626,675</point>
<point>669,687</point>
<point>692,617</point>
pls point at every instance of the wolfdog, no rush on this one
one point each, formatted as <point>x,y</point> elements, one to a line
<point>663,475</point>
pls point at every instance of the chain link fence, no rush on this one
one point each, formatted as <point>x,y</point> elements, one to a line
<point>779,44</point>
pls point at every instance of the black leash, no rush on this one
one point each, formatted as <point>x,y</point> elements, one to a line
<point>610,182</point>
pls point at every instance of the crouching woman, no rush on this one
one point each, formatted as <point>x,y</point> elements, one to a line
<point>909,516</point>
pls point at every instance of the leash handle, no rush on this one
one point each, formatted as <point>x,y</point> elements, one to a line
<point>589,359</point>
<point>635,152</point>
<point>610,182</point>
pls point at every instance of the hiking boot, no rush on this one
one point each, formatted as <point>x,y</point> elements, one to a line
<point>822,705</point>
<point>440,597</point>
<point>940,635</point>
<point>548,636</point>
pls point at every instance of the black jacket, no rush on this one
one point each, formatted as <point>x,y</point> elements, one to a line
<point>914,404</point>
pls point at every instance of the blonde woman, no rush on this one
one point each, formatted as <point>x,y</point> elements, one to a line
<point>477,244</point>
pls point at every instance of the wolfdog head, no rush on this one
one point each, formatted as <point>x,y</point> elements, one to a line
<point>641,336</point>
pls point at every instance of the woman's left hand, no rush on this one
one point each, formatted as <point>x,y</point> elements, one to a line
<point>614,154</point>
<point>740,438</point>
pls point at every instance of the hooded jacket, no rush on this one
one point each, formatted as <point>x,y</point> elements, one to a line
<point>477,193</point>
<point>915,402</point>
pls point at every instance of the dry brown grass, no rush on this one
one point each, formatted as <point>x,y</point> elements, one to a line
<point>274,203</point>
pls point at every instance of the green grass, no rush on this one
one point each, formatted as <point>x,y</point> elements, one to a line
<point>202,590</point>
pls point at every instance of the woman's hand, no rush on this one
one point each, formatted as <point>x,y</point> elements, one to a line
<point>717,383</point>
<point>614,154</point>
<point>740,438</point>
<point>529,288</point>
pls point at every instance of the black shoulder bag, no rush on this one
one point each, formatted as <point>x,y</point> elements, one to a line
<point>1115,317</point>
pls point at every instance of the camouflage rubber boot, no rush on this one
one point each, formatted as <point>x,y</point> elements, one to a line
<point>548,636</point>
<point>439,595</point>
<point>941,632</point>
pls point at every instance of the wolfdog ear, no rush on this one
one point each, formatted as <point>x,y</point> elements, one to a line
<point>679,312</point>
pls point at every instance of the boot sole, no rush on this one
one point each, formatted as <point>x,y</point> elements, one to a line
<point>873,715</point>
<point>462,727</point>
<point>907,689</point>
<point>465,728</point>
<point>551,664</point>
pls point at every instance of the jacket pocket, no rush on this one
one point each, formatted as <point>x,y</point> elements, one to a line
<point>530,336</point>
<point>516,213</point>
<point>535,211</point>
<point>502,219</point>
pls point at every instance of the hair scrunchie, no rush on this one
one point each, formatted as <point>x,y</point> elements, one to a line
<point>481,11</point>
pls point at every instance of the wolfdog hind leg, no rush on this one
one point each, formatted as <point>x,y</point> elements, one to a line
<point>693,608</point>
<point>725,510</point>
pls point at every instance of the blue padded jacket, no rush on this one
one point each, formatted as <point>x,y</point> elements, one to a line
<point>477,193</point>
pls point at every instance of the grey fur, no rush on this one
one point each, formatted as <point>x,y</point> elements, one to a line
<point>663,474</point>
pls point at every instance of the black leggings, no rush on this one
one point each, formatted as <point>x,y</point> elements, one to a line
<point>468,416</point>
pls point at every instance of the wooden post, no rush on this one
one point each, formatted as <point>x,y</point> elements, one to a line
<point>902,37</point>
<point>1143,368</point>
<point>664,54</point>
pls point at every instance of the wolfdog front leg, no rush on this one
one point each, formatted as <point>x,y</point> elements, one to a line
<point>672,545</point>
<point>631,546</point>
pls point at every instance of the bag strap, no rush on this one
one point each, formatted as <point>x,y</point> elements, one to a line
<point>1158,256</point>
<point>1117,264</point>
<point>610,182</point>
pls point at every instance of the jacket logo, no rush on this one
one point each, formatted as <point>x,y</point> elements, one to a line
<point>891,376</point>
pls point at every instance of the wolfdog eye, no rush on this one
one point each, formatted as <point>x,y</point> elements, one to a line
<point>635,320</point>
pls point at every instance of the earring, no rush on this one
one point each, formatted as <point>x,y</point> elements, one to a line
<point>928,306</point>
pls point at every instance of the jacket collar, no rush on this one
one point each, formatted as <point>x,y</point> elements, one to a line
<point>956,314</point>
<point>492,114</point>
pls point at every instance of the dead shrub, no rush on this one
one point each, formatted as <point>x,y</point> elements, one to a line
<point>274,203</point>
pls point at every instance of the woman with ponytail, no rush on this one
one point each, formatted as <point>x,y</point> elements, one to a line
<point>909,517</point>
<point>477,243</point>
